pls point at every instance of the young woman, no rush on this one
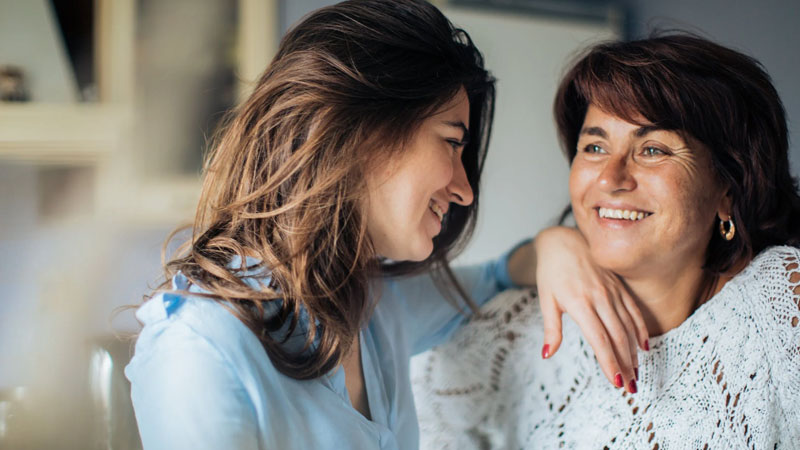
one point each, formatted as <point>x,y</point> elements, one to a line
<point>292,313</point>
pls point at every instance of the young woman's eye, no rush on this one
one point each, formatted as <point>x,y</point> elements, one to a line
<point>456,144</point>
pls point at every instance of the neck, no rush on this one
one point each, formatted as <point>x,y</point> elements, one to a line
<point>666,300</point>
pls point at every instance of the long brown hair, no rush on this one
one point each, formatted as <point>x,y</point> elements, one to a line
<point>718,96</point>
<point>349,86</point>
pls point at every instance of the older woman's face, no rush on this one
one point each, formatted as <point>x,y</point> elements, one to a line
<point>644,198</point>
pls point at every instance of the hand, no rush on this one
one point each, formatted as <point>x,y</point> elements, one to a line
<point>559,263</point>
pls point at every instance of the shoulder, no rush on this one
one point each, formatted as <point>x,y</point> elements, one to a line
<point>771,285</point>
<point>197,331</point>
<point>773,279</point>
<point>189,386</point>
<point>777,283</point>
<point>782,260</point>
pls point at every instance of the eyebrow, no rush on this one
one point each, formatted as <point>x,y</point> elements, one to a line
<point>594,131</point>
<point>460,125</point>
<point>639,132</point>
<point>645,130</point>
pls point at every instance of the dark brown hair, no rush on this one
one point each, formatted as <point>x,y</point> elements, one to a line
<point>349,86</point>
<point>716,95</point>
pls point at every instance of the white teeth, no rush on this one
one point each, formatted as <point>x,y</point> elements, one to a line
<point>436,210</point>
<point>621,214</point>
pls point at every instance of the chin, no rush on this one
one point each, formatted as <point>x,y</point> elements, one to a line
<point>416,252</point>
<point>617,259</point>
<point>421,251</point>
<point>422,255</point>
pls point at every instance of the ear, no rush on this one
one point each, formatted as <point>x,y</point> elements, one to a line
<point>725,208</point>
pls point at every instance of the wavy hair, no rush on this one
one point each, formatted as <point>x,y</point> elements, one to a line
<point>720,97</point>
<point>283,185</point>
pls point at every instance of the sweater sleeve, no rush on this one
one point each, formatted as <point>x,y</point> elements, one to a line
<point>427,316</point>
<point>784,352</point>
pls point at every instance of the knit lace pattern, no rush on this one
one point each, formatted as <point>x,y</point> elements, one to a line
<point>727,377</point>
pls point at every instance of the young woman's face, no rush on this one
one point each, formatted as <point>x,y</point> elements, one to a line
<point>644,198</point>
<point>409,196</point>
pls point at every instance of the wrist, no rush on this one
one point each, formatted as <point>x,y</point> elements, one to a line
<point>522,264</point>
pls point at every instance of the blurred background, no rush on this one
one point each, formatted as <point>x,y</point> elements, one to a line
<point>105,110</point>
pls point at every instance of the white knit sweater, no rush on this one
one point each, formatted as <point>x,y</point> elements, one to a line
<point>727,378</point>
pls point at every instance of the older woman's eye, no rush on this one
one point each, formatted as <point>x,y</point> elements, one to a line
<point>653,151</point>
<point>593,148</point>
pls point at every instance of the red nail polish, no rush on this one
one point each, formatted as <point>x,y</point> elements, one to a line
<point>647,345</point>
<point>632,386</point>
<point>618,380</point>
<point>546,351</point>
<point>636,372</point>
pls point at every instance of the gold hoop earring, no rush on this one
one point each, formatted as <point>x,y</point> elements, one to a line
<point>727,229</point>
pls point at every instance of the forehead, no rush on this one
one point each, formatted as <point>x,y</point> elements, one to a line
<point>595,113</point>
<point>602,123</point>
<point>455,108</point>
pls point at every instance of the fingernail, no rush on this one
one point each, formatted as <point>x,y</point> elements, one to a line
<point>636,372</point>
<point>546,351</point>
<point>647,345</point>
<point>618,380</point>
<point>632,387</point>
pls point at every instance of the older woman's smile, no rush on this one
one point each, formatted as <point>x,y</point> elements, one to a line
<point>630,214</point>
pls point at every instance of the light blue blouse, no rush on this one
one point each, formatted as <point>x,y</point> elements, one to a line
<point>200,379</point>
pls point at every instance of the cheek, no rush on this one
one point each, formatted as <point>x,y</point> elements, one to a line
<point>438,171</point>
<point>692,200</point>
<point>405,200</point>
<point>579,183</point>
<point>574,184</point>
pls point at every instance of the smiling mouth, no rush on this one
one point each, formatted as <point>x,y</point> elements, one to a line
<point>624,214</point>
<point>433,206</point>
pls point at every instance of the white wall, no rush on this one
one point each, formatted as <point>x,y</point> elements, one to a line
<point>525,179</point>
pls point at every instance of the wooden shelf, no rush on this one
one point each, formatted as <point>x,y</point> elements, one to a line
<point>157,202</point>
<point>60,134</point>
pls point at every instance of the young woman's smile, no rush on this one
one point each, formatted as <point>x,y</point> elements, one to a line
<point>409,198</point>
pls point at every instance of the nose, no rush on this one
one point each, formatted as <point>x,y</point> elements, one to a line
<point>459,191</point>
<point>616,175</point>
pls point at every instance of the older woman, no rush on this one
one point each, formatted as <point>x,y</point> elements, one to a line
<point>680,184</point>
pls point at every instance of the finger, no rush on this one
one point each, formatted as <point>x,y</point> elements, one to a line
<point>551,315</point>
<point>642,335</point>
<point>598,338</point>
<point>627,322</point>
<point>619,337</point>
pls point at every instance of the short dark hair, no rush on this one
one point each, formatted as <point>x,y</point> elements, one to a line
<point>716,95</point>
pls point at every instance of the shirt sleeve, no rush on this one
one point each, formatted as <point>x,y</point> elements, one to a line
<point>186,396</point>
<point>428,317</point>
